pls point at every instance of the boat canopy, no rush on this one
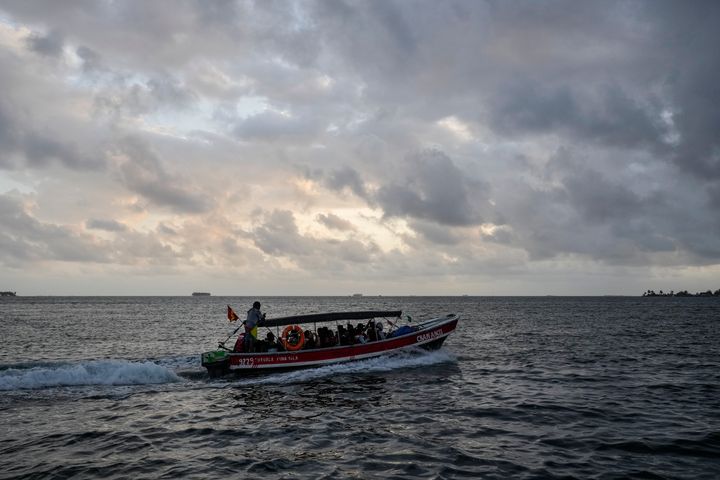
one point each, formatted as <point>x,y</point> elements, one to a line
<point>329,317</point>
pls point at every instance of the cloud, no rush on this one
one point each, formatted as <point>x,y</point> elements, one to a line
<point>271,125</point>
<point>92,61</point>
<point>604,115</point>
<point>588,212</point>
<point>346,177</point>
<point>23,145</point>
<point>142,172</point>
<point>30,132</point>
<point>582,137</point>
<point>107,225</point>
<point>334,222</point>
<point>124,96</point>
<point>430,186</point>
<point>278,235</point>
<point>24,238</point>
<point>436,234</point>
<point>50,45</point>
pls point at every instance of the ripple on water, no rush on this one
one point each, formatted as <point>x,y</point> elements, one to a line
<point>526,388</point>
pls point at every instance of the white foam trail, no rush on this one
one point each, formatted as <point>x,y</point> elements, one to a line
<point>183,362</point>
<point>98,372</point>
<point>377,364</point>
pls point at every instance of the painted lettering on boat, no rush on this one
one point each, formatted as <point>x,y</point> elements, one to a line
<point>429,335</point>
<point>288,358</point>
<point>265,359</point>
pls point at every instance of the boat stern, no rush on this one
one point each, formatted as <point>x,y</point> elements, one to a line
<point>216,362</point>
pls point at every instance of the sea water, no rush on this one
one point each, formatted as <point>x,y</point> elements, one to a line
<point>542,387</point>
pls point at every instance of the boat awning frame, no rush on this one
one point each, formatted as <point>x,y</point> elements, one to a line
<point>329,317</point>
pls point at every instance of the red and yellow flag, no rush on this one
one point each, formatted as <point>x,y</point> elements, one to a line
<point>232,316</point>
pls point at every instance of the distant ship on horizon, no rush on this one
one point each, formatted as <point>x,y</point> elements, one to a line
<point>200,294</point>
<point>357,294</point>
<point>8,294</point>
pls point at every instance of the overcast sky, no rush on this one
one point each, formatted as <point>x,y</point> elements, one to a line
<point>378,147</point>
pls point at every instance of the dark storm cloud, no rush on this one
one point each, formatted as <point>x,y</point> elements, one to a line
<point>92,61</point>
<point>8,131</point>
<point>277,234</point>
<point>597,200</point>
<point>24,238</point>
<point>431,187</point>
<point>587,72</point>
<point>107,225</point>
<point>166,230</point>
<point>40,149</point>
<point>346,177</point>
<point>426,185</point>
<point>26,138</point>
<point>436,234</point>
<point>132,248</point>
<point>126,95</point>
<point>622,80</point>
<point>272,126</point>
<point>167,90</point>
<point>50,44</point>
<point>607,115</point>
<point>143,172</point>
<point>687,36</point>
<point>589,213</point>
<point>670,68</point>
<point>334,222</point>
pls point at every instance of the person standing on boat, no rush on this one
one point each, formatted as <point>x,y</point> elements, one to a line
<point>254,317</point>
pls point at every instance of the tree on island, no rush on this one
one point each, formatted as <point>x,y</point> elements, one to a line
<point>682,293</point>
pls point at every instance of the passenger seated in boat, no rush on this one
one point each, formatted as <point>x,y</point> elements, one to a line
<point>326,338</point>
<point>310,341</point>
<point>360,336</point>
<point>271,345</point>
<point>343,336</point>
<point>379,331</point>
<point>331,339</point>
<point>351,334</point>
<point>371,332</point>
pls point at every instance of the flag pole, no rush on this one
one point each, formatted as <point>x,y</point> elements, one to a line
<point>232,316</point>
<point>222,344</point>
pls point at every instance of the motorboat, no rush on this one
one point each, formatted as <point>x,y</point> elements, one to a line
<point>330,341</point>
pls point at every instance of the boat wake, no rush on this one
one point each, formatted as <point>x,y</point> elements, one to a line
<point>96,372</point>
<point>386,363</point>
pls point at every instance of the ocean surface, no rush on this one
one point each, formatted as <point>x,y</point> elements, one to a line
<point>538,387</point>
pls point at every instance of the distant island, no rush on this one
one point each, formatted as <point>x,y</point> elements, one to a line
<point>682,293</point>
<point>200,294</point>
<point>8,294</point>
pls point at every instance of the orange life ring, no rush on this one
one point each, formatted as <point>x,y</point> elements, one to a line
<point>301,338</point>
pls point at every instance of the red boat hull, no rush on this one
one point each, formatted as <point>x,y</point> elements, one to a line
<point>430,335</point>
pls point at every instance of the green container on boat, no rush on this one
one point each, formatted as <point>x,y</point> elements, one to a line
<point>214,356</point>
